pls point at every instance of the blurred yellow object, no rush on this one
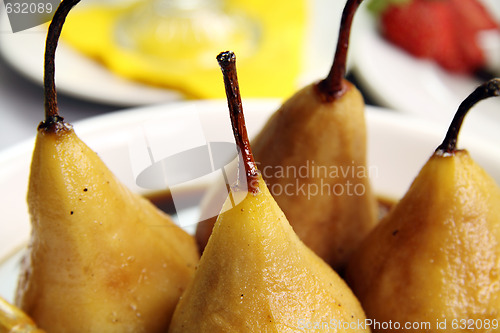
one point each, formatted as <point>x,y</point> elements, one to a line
<point>267,36</point>
<point>13,319</point>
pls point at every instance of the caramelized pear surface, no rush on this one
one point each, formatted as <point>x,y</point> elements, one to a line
<point>435,256</point>
<point>100,256</point>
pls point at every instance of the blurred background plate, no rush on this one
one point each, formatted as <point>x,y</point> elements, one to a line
<point>399,81</point>
<point>85,78</point>
<point>76,74</point>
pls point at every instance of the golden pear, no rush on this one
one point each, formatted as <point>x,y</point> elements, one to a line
<point>255,274</point>
<point>312,155</point>
<point>434,259</point>
<point>100,258</point>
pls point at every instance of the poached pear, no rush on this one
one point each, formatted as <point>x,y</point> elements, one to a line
<point>100,258</point>
<point>255,275</point>
<point>312,155</point>
<point>435,258</point>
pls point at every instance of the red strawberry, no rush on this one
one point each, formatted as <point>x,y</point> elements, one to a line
<point>449,53</point>
<point>471,18</point>
<point>474,14</point>
<point>466,41</point>
<point>411,26</point>
<point>443,30</point>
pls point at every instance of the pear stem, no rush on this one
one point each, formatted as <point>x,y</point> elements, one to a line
<point>227,63</point>
<point>53,34</point>
<point>332,87</point>
<point>488,89</point>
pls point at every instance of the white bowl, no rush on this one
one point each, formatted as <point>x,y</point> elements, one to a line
<point>398,147</point>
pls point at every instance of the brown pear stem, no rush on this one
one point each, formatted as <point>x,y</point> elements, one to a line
<point>332,86</point>
<point>227,63</point>
<point>53,34</point>
<point>488,89</point>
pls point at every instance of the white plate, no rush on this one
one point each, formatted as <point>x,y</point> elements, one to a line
<point>398,146</point>
<point>80,76</point>
<point>401,82</point>
<point>76,74</point>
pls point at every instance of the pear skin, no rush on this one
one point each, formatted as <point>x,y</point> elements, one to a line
<point>435,256</point>
<point>255,275</point>
<point>100,258</point>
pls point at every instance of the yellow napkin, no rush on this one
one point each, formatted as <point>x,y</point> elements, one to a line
<point>270,71</point>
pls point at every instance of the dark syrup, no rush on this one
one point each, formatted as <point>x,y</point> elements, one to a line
<point>164,201</point>
<point>385,204</point>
